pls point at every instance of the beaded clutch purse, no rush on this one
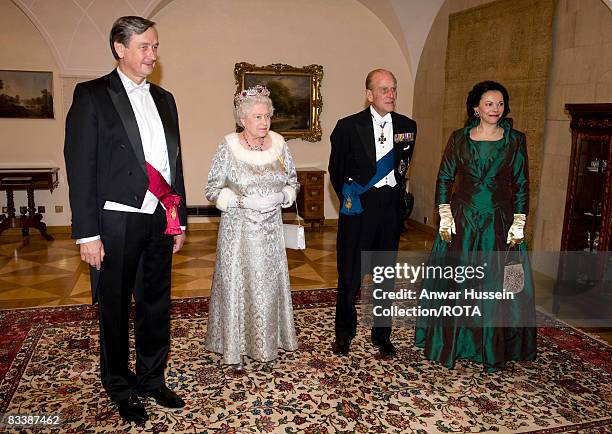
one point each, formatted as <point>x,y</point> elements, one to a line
<point>514,275</point>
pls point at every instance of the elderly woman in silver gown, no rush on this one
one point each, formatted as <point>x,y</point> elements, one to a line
<point>252,176</point>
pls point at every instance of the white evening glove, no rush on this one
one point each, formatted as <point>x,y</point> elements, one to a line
<point>261,203</point>
<point>447,223</point>
<point>515,233</point>
<point>273,200</point>
<point>233,202</point>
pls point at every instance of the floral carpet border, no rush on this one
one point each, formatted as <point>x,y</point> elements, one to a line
<point>600,426</point>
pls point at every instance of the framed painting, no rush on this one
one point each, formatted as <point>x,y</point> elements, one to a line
<point>295,93</point>
<point>26,94</point>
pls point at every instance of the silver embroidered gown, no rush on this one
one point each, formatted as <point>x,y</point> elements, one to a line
<point>250,311</point>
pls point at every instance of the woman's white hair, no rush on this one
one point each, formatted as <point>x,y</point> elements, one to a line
<point>244,106</point>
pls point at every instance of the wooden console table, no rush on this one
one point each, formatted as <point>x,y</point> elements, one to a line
<point>28,179</point>
<point>310,200</point>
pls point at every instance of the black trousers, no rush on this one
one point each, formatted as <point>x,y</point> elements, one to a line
<point>138,262</point>
<point>376,229</point>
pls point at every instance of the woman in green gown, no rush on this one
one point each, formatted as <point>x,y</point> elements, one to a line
<point>483,199</point>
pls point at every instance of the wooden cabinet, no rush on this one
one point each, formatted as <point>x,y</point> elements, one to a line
<point>585,264</point>
<point>587,225</point>
<point>310,200</point>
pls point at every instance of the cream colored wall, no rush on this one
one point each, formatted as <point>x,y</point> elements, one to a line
<point>31,142</point>
<point>200,45</point>
<point>581,72</point>
<point>200,42</point>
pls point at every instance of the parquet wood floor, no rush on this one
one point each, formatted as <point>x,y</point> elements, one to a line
<point>35,272</point>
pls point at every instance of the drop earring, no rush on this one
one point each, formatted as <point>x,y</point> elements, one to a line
<point>476,113</point>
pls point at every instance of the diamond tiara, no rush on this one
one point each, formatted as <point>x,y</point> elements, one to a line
<point>242,95</point>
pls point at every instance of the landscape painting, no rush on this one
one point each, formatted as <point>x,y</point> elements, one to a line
<point>26,94</point>
<point>295,94</point>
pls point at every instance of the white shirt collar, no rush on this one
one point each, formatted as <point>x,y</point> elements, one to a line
<point>129,85</point>
<point>378,119</point>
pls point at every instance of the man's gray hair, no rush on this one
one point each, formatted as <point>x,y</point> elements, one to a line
<point>124,28</point>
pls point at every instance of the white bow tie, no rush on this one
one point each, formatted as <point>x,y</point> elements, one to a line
<point>143,87</point>
<point>382,121</point>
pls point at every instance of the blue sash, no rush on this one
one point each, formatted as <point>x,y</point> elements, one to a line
<point>351,204</point>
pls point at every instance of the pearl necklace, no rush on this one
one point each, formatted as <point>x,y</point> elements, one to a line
<point>480,128</point>
<point>255,147</point>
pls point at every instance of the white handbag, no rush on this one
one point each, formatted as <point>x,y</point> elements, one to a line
<point>294,234</point>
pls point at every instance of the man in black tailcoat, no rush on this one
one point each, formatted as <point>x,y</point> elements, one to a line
<point>370,155</point>
<point>127,197</point>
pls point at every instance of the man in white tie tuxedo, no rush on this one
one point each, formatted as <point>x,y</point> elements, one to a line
<point>370,155</point>
<point>127,197</point>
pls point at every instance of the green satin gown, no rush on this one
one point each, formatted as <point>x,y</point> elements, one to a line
<point>486,182</point>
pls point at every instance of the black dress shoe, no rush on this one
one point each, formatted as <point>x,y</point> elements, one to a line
<point>340,348</point>
<point>132,410</point>
<point>386,348</point>
<point>164,397</point>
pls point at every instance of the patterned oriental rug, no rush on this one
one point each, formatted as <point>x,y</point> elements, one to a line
<point>49,364</point>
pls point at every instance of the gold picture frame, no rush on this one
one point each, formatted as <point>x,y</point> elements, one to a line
<point>295,93</point>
